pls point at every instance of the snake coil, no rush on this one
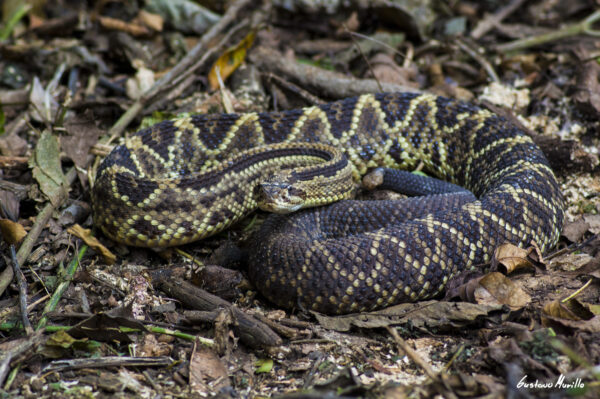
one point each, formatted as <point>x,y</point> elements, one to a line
<point>187,179</point>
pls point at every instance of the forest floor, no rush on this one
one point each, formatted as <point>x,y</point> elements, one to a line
<point>83,316</point>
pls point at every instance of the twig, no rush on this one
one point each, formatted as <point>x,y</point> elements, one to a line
<point>22,285</point>
<point>331,84</point>
<point>581,28</point>
<point>15,352</point>
<point>482,61</point>
<point>454,357</point>
<point>40,222</point>
<point>371,38</point>
<point>5,366</point>
<point>188,65</point>
<point>443,389</point>
<point>357,46</point>
<point>108,361</point>
<point>295,89</point>
<point>62,287</point>
<point>490,21</point>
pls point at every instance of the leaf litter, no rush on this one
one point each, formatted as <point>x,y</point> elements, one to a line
<point>75,82</point>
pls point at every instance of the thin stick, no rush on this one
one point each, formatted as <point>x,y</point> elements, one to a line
<point>357,45</point>
<point>482,61</point>
<point>330,84</point>
<point>443,389</point>
<point>490,21</point>
<point>22,285</point>
<point>186,66</point>
<point>573,295</point>
<point>580,28</point>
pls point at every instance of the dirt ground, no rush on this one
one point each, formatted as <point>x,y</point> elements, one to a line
<point>83,316</point>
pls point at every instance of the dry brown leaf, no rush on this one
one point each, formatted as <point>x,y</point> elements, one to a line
<point>495,288</point>
<point>569,310</point>
<point>426,314</point>
<point>571,314</point>
<point>574,231</point>
<point>512,258</point>
<point>90,240</point>
<point>81,135</point>
<point>207,371</point>
<point>230,60</point>
<point>12,232</point>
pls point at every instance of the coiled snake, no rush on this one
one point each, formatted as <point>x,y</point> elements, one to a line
<point>186,179</point>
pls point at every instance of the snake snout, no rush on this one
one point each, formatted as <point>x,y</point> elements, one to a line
<point>279,197</point>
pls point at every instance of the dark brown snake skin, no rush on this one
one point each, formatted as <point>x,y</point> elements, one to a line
<point>158,190</point>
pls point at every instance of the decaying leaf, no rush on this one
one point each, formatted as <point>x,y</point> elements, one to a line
<point>570,310</point>
<point>90,240</point>
<point>427,314</point>
<point>495,288</point>
<point>81,135</point>
<point>207,371</point>
<point>46,167</point>
<point>12,232</point>
<point>491,289</point>
<point>43,101</point>
<point>230,60</point>
<point>61,344</point>
<point>107,327</point>
<point>512,258</point>
<point>571,314</point>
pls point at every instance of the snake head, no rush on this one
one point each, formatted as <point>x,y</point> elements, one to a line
<point>278,194</point>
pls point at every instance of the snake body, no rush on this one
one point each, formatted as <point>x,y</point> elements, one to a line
<point>186,179</point>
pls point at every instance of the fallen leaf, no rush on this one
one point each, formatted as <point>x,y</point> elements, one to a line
<point>115,325</point>
<point>575,230</point>
<point>263,366</point>
<point>570,310</point>
<point>570,315</point>
<point>12,232</point>
<point>230,60</point>
<point>91,241</point>
<point>512,258</point>
<point>62,344</point>
<point>495,288</point>
<point>426,314</point>
<point>207,371</point>
<point>81,135</point>
<point>46,167</point>
<point>43,101</point>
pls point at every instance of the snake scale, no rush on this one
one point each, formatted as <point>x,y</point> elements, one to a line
<point>186,179</point>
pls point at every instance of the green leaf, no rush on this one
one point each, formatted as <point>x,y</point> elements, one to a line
<point>263,366</point>
<point>14,16</point>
